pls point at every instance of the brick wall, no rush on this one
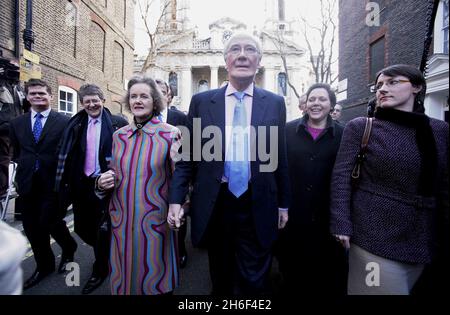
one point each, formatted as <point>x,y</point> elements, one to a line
<point>7,28</point>
<point>77,42</point>
<point>402,23</point>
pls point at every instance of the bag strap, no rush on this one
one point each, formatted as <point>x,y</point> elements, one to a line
<point>362,151</point>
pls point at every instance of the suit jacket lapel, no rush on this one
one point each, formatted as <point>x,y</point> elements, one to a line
<point>217,114</point>
<point>28,129</point>
<point>259,107</point>
<point>48,124</point>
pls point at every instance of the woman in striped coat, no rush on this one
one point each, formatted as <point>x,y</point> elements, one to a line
<point>143,248</point>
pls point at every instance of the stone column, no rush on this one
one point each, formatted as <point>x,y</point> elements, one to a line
<point>186,88</point>
<point>214,77</point>
<point>269,80</point>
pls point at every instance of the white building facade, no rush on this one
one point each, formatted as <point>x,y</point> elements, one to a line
<point>192,65</point>
<point>436,99</point>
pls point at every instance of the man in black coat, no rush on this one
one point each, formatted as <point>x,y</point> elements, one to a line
<point>240,196</point>
<point>34,139</point>
<point>84,155</point>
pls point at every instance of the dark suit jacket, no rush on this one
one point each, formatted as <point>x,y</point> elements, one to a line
<point>176,117</point>
<point>270,190</point>
<point>26,151</point>
<point>74,169</point>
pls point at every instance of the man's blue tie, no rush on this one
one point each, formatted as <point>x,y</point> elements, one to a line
<point>37,130</point>
<point>237,162</point>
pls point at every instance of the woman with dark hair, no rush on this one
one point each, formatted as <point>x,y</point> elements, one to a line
<point>312,145</point>
<point>388,219</point>
<point>143,253</point>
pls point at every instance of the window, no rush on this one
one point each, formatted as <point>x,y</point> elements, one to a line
<point>69,29</point>
<point>118,62</point>
<point>124,13</point>
<point>97,46</point>
<point>282,84</point>
<point>445,26</point>
<point>67,101</point>
<point>120,10</point>
<point>376,57</point>
<point>173,82</point>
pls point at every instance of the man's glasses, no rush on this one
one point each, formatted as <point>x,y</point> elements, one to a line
<point>248,50</point>
<point>389,83</point>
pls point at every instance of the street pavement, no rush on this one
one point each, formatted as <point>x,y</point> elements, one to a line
<point>194,277</point>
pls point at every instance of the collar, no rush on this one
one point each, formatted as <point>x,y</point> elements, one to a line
<point>409,119</point>
<point>231,90</point>
<point>45,113</point>
<point>303,123</point>
<point>148,128</point>
<point>163,113</point>
<point>99,118</point>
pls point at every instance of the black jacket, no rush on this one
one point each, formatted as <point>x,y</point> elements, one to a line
<point>74,165</point>
<point>310,165</point>
<point>176,117</point>
<point>270,189</point>
<point>26,151</point>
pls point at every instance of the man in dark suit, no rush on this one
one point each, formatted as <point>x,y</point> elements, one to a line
<point>175,118</point>
<point>34,139</point>
<point>84,155</point>
<point>240,193</point>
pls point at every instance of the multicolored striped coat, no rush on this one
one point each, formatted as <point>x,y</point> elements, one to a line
<point>143,247</point>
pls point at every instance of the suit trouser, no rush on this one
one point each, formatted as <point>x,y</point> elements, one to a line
<point>5,158</point>
<point>42,218</point>
<point>238,263</point>
<point>181,240</point>
<point>92,224</point>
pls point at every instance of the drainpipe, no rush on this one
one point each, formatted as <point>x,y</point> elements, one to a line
<point>28,35</point>
<point>17,28</point>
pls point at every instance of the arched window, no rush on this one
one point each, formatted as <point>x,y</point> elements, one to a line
<point>118,61</point>
<point>69,29</point>
<point>67,100</point>
<point>97,46</point>
<point>173,82</point>
<point>282,84</point>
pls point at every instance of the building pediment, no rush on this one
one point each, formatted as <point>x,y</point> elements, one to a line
<point>227,23</point>
<point>178,41</point>
<point>271,41</point>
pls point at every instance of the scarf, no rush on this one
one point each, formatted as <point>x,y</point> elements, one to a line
<point>425,142</point>
<point>69,139</point>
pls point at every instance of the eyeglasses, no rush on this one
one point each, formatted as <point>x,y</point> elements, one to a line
<point>86,102</point>
<point>389,83</point>
<point>248,50</point>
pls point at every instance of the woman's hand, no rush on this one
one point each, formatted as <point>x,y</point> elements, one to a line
<point>175,217</point>
<point>107,180</point>
<point>344,240</point>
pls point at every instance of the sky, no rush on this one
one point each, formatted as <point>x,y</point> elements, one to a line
<point>250,12</point>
